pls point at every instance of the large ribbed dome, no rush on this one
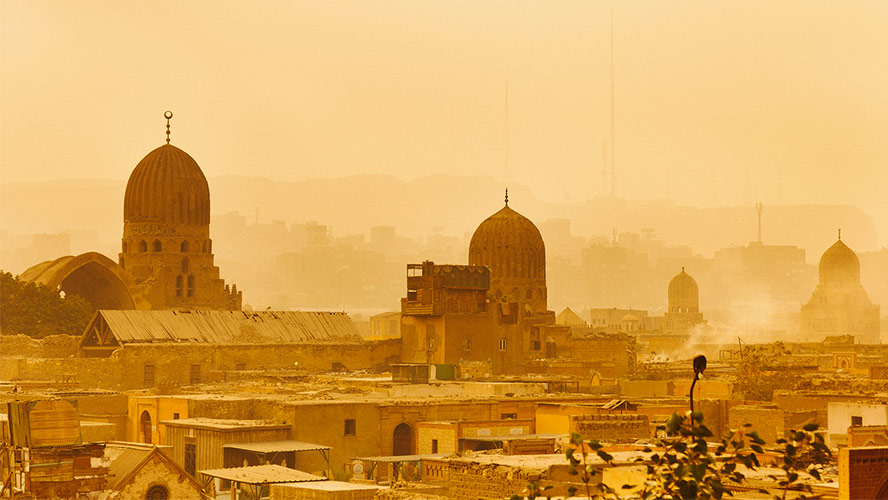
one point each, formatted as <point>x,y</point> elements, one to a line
<point>510,245</point>
<point>167,187</point>
<point>839,265</point>
<point>684,295</point>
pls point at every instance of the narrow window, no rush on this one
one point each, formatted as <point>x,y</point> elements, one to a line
<point>179,285</point>
<point>190,458</point>
<point>125,246</point>
<point>191,285</point>
<point>148,376</point>
<point>184,265</point>
<point>184,246</point>
<point>509,416</point>
<point>350,427</point>
<point>856,421</point>
<point>143,246</point>
<point>467,345</point>
<point>434,446</point>
<point>502,344</point>
<point>203,247</point>
<point>194,377</point>
<point>175,416</point>
<point>157,246</point>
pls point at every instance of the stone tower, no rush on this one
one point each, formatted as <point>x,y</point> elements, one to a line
<point>166,245</point>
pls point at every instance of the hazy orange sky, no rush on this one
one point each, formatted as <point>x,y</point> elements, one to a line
<point>793,92</point>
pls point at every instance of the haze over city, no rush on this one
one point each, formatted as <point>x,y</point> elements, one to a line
<point>419,250</point>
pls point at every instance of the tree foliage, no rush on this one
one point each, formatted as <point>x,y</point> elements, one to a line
<point>764,369</point>
<point>686,465</point>
<point>37,310</point>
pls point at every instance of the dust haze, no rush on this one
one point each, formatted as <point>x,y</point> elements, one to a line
<point>341,144</point>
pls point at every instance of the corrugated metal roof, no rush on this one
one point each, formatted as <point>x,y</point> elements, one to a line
<point>124,458</point>
<point>258,327</point>
<point>262,474</point>
<point>402,458</point>
<point>516,437</point>
<point>276,446</point>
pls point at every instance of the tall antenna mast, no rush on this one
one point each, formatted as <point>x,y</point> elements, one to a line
<point>758,211</point>
<point>604,168</point>
<point>506,134</point>
<point>453,134</point>
<point>613,152</point>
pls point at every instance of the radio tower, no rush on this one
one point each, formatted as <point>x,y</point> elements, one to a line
<point>613,144</point>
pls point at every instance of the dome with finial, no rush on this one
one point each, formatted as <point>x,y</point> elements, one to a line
<point>510,245</point>
<point>684,295</point>
<point>167,187</point>
<point>839,265</point>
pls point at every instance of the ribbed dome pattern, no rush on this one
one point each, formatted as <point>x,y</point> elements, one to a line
<point>684,294</point>
<point>167,187</point>
<point>510,245</point>
<point>839,265</point>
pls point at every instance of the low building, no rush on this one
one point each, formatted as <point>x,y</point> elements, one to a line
<point>198,443</point>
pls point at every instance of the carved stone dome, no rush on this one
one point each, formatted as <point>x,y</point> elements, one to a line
<point>510,245</point>
<point>684,294</point>
<point>839,265</point>
<point>167,187</point>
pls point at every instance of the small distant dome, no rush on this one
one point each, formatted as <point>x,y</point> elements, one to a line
<point>167,187</point>
<point>684,295</point>
<point>510,245</point>
<point>839,265</point>
<point>629,318</point>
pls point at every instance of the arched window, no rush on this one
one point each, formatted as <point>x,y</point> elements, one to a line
<point>179,285</point>
<point>184,265</point>
<point>157,246</point>
<point>191,285</point>
<point>157,492</point>
<point>184,246</point>
<point>124,247</point>
<point>143,247</point>
<point>528,294</point>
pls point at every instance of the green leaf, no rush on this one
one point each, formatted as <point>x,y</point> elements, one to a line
<point>811,427</point>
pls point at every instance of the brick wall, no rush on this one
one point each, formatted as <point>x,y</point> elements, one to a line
<point>611,427</point>
<point>863,473</point>
<point>470,480</point>
<point>767,421</point>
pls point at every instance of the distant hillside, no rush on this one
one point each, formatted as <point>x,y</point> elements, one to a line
<point>352,205</point>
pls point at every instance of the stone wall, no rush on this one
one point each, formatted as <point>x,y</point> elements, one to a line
<point>125,368</point>
<point>53,346</point>
<point>158,472</point>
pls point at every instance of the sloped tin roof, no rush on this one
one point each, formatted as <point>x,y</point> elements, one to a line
<point>134,326</point>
